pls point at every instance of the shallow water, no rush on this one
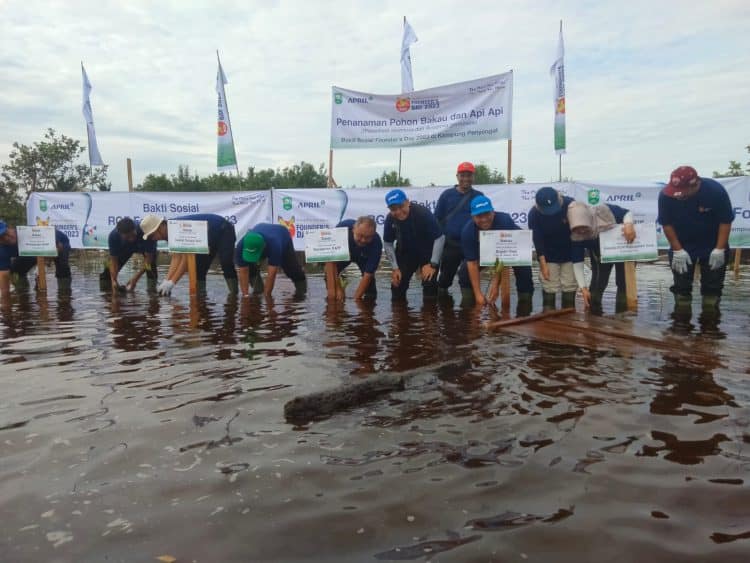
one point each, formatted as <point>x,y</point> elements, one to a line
<point>137,427</point>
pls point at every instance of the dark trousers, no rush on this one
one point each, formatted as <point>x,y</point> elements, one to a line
<point>600,275</point>
<point>712,281</point>
<point>224,248</point>
<point>449,263</point>
<point>289,265</point>
<point>524,279</point>
<point>22,264</point>
<point>372,291</point>
<point>408,267</point>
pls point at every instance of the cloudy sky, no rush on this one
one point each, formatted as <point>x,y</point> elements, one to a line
<point>650,85</point>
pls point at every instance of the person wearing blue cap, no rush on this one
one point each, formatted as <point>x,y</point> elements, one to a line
<point>485,218</point>
<point>125,240</point>
<point>266,240</point>
<point>548,222</point>
<point>413,242</point>
<point>365,250</point>
<point>13,264</point>
<point>452,213</point>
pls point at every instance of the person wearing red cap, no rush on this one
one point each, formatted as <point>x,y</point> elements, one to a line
<point>452,213</point>
<point>696,216</point>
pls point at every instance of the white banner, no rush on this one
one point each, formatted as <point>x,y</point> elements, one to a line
<point>511,248</point>
<point>88,217</point>
<point>188,237</point>
<point>614,248</point>
<point>467,112</point>
<point>36,241</point>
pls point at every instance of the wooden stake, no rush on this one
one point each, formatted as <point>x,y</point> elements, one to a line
<point>192,274</point>
<point>529,319</point>
<point>130,174</point>
<point>331,181</point>
<point>505,289</point>
<point>631,287</point>
<point>737,260</point>
<point>41,273</point>
<point>510,158</point>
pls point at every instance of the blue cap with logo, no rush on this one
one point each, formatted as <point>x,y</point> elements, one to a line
<point>548,201</point>
<point>395,197</point>
<point>3,227</point>
<point>481,204</point>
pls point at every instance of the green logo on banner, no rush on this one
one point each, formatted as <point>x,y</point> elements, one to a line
<point>594,196</point>
<point>338,97</point>
<point>286,203</point>
<point>43,204</point>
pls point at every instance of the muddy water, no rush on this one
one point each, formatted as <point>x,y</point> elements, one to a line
<point>138,427</point>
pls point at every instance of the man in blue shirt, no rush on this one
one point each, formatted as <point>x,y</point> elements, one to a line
<point>221,239</point>
<point>266,240</point>
<point>549,228</point>
<point>485,218</point>
<point>365,249</point>
<point>418,245</point>
<point>125,240</point>
<point>452,213</point>
<point>696,216</point>
<point>11,263</point>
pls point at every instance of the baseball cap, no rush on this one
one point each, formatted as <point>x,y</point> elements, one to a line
<point>149,224</point>
<point>465,167</point>
<point>681,180</point>
<point>547,200</point>
<point>481,204</point>
<point>252,247</point>
<point>395,197</point>
<point>3,228</point>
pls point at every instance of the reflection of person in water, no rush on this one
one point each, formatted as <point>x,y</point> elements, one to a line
<point>263,320</point>
<point>354,338</point>
<point>134,328</point>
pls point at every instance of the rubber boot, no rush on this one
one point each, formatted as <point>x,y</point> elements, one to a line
<point>595,306</point>
<point>710,304</point>
<point>568,300</point>
<point>257,283</point>
<point>300,289</point>
<point>443,293</point>
<point>548,301</point>
<point>151,285</point>
<point>467,297</point>
<point>523,307</point>
<point>64,286</point>
<point>682,314</point>
<point>201,287</point>
<point>21,283</point>
<point>232,286</point>
<point>621,302</point>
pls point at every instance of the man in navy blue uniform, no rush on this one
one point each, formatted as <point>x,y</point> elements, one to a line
<point>418,245</point>
<point>485,218</point>
<point>125,240</point>
<point>365,249</point>
<point>266,240</point>
<point>12,263</point>
<point>696,216</point>
<point>221,239</point>
<point>452,213</point>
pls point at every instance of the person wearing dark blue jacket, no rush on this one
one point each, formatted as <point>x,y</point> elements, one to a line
<point>365,250</point>
<point>696,215</point>
<point>221,239</point>
<point>485,218</point>
<point>452,213</point>
<point>125,240</point>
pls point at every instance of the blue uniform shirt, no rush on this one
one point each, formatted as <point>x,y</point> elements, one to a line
<point>216,224</point>
<point>579,247</point>
<point>696,220</point>
<point>448,201</point>
<point>551,233</point>
<point>278,241</point>
<point>366,257</point>
<point>8,252</point>
<point>470,234</point>
<point>123,249</point>
<point>415,235</point>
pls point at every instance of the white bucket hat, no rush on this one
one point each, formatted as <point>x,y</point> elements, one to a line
<point>149,224</point>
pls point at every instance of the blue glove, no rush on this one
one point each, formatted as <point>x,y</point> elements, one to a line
<point>717,258</point>
<point>680,261</point>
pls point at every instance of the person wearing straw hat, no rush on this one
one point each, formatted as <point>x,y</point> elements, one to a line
<point>485,218</point>
<point>125,240</point>
<point>14,266</point>
<point>365,250</point>
<point>273,242</point>
<point>221,239</point>
<point>696,215</point>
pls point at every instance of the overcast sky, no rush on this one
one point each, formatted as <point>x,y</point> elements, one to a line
<point>650,84</point>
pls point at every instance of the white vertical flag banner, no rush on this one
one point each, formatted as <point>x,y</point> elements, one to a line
<point>407,81</point>
<point>226,157</point>
<point>95,159</point>
<point>558,72</point>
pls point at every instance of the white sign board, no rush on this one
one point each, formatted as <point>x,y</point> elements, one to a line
<point>188,237</point>
<point>466,112</point>
<point>327,245</point>
<point>512,248</point>
<point>614,247</point>
<point>36,241</point>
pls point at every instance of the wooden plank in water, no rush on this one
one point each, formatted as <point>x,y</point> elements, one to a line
<point>529,319</point>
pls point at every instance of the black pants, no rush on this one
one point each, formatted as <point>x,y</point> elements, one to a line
<point>372,291</point>
<point>449,263</point>
<point>122,259</point>
<point>22,264</point>
<point>408,267</point>
<point>289,264</point>
<point>224,248</point>
<point>524,279</point>
<point>712,281</point>
<point>600,274</point>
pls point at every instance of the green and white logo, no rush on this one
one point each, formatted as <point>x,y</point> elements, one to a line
<point>286,203</point>
<point>594,196</point>
<point>43,205</point>
<point>338,97</point>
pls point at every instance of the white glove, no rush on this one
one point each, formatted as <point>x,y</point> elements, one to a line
<point>717,258</point>
<point>681,260</point>
<point>165,287</point>
<point>130,286</point>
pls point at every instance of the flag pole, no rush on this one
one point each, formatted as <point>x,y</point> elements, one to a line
<point>331,182</point>
<point>559,168</point>
<point>399,150</point>
<point>229,120</point>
